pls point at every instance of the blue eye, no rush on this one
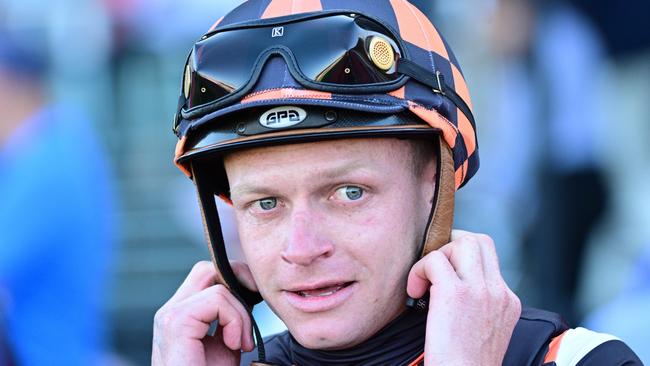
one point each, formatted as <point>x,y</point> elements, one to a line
<point>268,203</point>
<point>351,193</point>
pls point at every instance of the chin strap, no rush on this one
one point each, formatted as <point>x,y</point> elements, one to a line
<point>441,218</point>
<point>217,249</point>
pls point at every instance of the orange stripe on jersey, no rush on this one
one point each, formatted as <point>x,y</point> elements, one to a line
<point>417,361</point>
<point>285,93</point>
<point>215,25</point>
<point>415,27</point>
<point>467,131</point>
<point>553,348</point>
<point>278,8</point>
<point>461,86</point>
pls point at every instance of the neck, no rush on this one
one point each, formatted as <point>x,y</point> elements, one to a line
<point>398,343</point>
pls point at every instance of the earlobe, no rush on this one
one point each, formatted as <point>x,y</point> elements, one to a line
<point>244,275</point>
<point>429,181</point>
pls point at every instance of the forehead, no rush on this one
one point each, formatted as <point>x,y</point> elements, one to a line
<point>385,152</point>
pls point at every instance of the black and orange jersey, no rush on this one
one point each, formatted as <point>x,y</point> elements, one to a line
<point>540,338</point>
<point>543,338</point>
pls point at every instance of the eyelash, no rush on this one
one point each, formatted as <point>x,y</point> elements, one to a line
<point>256,206</point>
<point>362,192</point>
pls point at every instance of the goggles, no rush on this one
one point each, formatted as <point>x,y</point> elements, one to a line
<point>336,52</point>
<point>347,53</point>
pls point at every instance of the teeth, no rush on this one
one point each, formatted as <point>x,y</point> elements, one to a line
<point>313,293</point>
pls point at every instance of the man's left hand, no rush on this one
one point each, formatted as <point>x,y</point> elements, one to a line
<point>472,312</point>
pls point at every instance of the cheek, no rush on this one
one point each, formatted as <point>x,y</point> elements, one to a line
<point>388,232</point>
<point>259,246</point>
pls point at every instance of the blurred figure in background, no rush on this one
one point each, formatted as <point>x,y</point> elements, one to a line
<point>614,256</point>
<point>5,356</point>
<point>573,193</point>
<point>56,235</point>
<point>615,291</point>
<point>569,212</point>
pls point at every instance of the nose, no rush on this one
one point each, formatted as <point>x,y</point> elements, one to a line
<point>305,242</point>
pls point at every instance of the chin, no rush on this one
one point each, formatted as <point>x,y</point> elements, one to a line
<point>325,333</point>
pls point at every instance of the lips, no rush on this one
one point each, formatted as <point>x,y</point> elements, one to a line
<point>322,291</point>
<point>320,297</point>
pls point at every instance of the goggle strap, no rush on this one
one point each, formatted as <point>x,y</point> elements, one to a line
<point>436,82</point>
<point>177,116</point>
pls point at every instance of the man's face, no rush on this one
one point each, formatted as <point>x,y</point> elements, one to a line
<point>330,230</point>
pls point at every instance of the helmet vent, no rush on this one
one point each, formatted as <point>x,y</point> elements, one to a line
<point>381,53</point>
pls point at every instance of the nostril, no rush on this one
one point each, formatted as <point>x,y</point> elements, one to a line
<point>305,250</point>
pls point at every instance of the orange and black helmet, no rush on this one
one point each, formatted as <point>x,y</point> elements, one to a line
<point>282,71</point>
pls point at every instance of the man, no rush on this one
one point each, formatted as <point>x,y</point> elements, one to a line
<point>56,213</point>
<point>339,131</point>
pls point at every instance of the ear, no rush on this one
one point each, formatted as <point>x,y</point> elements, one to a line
<point>428,180</point>
<point>244,275</point>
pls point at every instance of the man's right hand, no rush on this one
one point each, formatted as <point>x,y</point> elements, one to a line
<point>181,325</point>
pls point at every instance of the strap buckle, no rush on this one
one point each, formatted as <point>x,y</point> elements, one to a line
<point>440,79</point>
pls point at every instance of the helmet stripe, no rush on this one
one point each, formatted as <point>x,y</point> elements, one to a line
<point>461,86</point>
<point>473,163</point>
<point>378,8</point>
<point>399,93</point>
<point>436,120</point>
<point>215,25</point>
<point>286,93</point>
<point>460,174</point>
<point>278,8</point>
<point>248,10</point>
<point>416,28</point>
<point>467,131</point>
<point>178,152</point>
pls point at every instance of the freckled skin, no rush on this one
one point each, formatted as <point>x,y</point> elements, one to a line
<point>316,233</point>
<point>304,236</point>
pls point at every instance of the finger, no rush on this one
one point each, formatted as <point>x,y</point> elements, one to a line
<point>490,261</point>
<point>215,303</point>
<point>214,353</point>
<point>247,335</point>
<point>244,275</point>
<point>464,254</point>
<point>434,270</point>
<point>457,234</point>
<point>202,276</point>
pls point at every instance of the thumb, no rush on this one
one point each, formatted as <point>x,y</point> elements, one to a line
<point>417,282</point>
<point>432,270</point>
<point>244,275</point>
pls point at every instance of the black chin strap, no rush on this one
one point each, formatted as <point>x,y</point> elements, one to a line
<point>437,83</point>
<point>248,298</point>
<point>422,304</point>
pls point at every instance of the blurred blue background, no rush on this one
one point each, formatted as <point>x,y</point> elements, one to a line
<point>98,228</point>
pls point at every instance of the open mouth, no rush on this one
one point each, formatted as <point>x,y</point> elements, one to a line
<point>323,291</point>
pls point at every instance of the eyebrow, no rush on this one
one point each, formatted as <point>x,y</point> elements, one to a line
<point>342,170</point>
<point>244,189</point>
<point>328,174</point>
